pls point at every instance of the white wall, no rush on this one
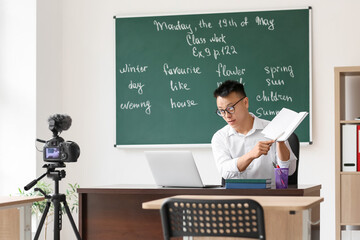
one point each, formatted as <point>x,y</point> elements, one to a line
<point>81,59</point>
<point>17,94</point>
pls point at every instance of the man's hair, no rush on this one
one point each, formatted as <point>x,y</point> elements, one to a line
<point>228,87</point>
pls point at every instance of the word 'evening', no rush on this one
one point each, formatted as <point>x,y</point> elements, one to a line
<point>178,26</point>
<point>180,71</point>
<point>131,106</point>
<point>133,69</point>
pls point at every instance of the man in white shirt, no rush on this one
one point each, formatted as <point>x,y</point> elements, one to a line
<point>240,149</point>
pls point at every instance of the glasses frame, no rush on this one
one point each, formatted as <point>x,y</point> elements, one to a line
<point>230,109</point>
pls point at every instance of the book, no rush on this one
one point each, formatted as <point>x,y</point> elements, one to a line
<point>234,185</point>
<point>283,124</point>
<point>349,150</point>
<point>248,183</point>
<point>358,147</point>
<point>253,180</point>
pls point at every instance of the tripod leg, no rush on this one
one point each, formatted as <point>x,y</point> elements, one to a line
<point>42,220</point>
<point>71,220</point>
<point>57,218</point>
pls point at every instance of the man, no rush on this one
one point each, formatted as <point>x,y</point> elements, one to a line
<point>240,149</point>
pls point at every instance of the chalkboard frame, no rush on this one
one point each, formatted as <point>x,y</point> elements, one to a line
<point>208,145</point>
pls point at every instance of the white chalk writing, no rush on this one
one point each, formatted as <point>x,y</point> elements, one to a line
<point>180,71</point>
<point>191,40</point>
<point>176,86</point>
<point>273,70</point>
<point>130,106</point>
<point>269,23</point>
<point>139,86</point>
<point>215,53</point>
<point>223,71</point>
<point>275,82</point>
<point>178,26</point>
<point>182,104</point>
<point>273,97</point>
<point>260,112</point>
<point>133,69</point>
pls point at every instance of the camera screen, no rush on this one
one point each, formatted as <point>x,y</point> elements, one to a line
<point>52,153</point>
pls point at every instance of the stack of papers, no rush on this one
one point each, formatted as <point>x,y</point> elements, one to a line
<point>247,183</point>
<point>283,124</point>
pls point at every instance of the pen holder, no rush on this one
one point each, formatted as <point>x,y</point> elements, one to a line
<point>281,177</point>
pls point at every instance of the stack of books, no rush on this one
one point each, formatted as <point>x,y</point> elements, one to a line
<point>247,183</point>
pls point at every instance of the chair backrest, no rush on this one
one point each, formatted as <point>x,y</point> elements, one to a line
<point>295,147</point>
<point>199,217</point>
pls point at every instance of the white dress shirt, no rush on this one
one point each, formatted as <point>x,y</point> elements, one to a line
<point>228,145</point>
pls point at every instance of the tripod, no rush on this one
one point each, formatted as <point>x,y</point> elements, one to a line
<point>56,199</point>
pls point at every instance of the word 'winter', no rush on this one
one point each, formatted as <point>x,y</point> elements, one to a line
<point>130,106</point>
<point>131,69</point>
<point>178,26</point>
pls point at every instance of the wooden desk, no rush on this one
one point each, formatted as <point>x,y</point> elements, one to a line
<point>285,217</point>
<point>15,217</point>
<point>115,212</point>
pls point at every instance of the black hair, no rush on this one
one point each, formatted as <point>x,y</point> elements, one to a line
<point>228,87</point>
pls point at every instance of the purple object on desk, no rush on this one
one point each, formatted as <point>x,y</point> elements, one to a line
<point>281,177</point>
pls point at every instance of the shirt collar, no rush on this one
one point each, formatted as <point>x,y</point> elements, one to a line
<point>257,124</point>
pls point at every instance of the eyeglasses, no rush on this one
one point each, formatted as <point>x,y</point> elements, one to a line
<point>231,109</point>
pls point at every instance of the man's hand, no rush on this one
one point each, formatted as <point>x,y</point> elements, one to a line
<point>261,148</point>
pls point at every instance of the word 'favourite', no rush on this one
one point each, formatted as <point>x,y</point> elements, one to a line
<point>180,70</point>
<point>140,105</point>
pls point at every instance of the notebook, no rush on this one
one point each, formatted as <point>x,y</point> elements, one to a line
<point>174,169</point>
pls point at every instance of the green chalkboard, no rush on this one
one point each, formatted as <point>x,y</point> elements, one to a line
<point>167,68</point>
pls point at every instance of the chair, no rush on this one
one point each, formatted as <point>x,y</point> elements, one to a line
<point>199,217</point>
<point>295,147</point>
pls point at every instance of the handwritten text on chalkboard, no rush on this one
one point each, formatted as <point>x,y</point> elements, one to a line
<point>167,68</point>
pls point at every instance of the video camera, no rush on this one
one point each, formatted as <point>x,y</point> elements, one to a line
<point>56,149</point>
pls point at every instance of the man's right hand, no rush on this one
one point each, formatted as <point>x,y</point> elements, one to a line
<point>261,148</point>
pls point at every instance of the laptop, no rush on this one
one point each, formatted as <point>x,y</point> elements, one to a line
<point>174,169</point>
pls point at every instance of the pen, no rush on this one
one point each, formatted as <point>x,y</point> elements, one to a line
<point>282,182</point>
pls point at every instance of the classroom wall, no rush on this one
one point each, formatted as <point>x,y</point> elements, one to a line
<point>17,94</point>
<point>79,64</point>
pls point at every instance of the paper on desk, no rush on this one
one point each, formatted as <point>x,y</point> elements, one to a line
<point>284,124</point>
